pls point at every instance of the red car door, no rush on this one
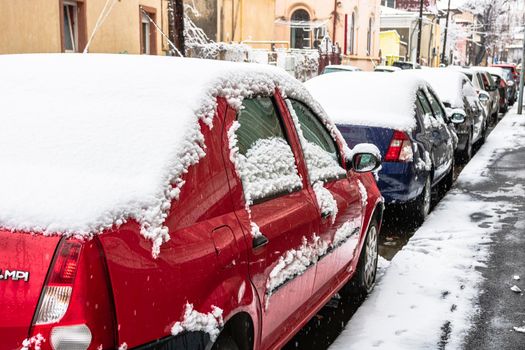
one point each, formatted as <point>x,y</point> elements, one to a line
<point>266,171</point>
<point>340,228</point>
<point>199,265</point>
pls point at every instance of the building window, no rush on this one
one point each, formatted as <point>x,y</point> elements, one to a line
<point>148,33</point>
<point>351,35</point>
<point>73,25</point>
<point>299,29</point>
<point>388,3</point>
<point>369,37</point>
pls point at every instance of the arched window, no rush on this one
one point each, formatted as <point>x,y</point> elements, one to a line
<point>299,35</point>
<point>369,37</point>
<point>351,35</point>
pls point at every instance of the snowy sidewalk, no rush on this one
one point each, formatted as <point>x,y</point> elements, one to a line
<point>429,295</point>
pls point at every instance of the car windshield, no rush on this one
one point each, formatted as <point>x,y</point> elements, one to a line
<point>403,65</point>
<point>336,69</point>
<point>507,73</point>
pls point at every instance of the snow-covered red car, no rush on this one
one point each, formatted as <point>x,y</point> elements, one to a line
<point>165,203</point>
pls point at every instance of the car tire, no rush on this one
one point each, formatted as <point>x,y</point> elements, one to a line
<point>495,118</point>
<point>448,180</point>
<point>423,203</point>
<point>364,279</point>
<point>466,154</point>
<point>484,132</point>
<point>225,342</point>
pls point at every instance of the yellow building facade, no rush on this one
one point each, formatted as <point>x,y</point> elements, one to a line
<point>390,44</point>
<point>66,25</point>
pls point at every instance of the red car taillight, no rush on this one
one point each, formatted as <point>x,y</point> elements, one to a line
<point>57,291</point>
<point>400,149</point>
<point>76,306</point>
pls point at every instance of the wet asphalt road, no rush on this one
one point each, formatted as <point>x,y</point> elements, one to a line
<point>501,308</point>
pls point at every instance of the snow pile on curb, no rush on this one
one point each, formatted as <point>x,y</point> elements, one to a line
<point>430,285</point>
<point>508,135</point>
<point>195,321</point>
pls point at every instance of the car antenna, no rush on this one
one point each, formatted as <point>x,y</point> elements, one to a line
<point>161,32</point>
<point>101,18</point>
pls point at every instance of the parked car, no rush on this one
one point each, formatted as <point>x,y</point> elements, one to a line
<point>503,90</point>
<point>458,95</point>
<point>491,87</point>
<point>406,65</point>
<point>487,94</point>
<point>388,69</point>
<point>405,119</point>
<point>333,68</point>
<point>506,75</point>
<point>199,210</point>
<point>512,69</point>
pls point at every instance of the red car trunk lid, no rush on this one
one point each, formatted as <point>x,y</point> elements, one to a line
<point>24,262</point>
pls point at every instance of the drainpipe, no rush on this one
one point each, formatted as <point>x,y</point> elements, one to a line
<point>335,18</point>
<point>242,19</point>
<point>419,32</point>
<point>446,34</point>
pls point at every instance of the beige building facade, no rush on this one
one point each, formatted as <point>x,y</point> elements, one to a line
<point>65,26</point>
<point>353,25</point>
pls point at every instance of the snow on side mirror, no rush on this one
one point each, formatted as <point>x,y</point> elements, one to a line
<point>456,116</point>
<point>365,162</point>
<point>483,97</point>
<point>365,158</point>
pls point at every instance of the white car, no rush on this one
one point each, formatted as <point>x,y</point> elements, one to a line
<point>389,69</point>
<point>340,68</point>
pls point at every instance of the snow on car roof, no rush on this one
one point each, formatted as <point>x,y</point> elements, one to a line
<point>497,71</point>
<point>90,141</point>
<point>447,83</point>
<point>368,98</point>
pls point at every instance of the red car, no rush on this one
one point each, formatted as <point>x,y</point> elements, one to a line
<point>164,203</point>
<point>512,69</point>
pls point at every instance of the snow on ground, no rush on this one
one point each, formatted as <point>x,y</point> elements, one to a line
<point>506,136</point>
<point>427,296</point>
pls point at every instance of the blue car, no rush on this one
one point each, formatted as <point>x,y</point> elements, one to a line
<point>405,119</point>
